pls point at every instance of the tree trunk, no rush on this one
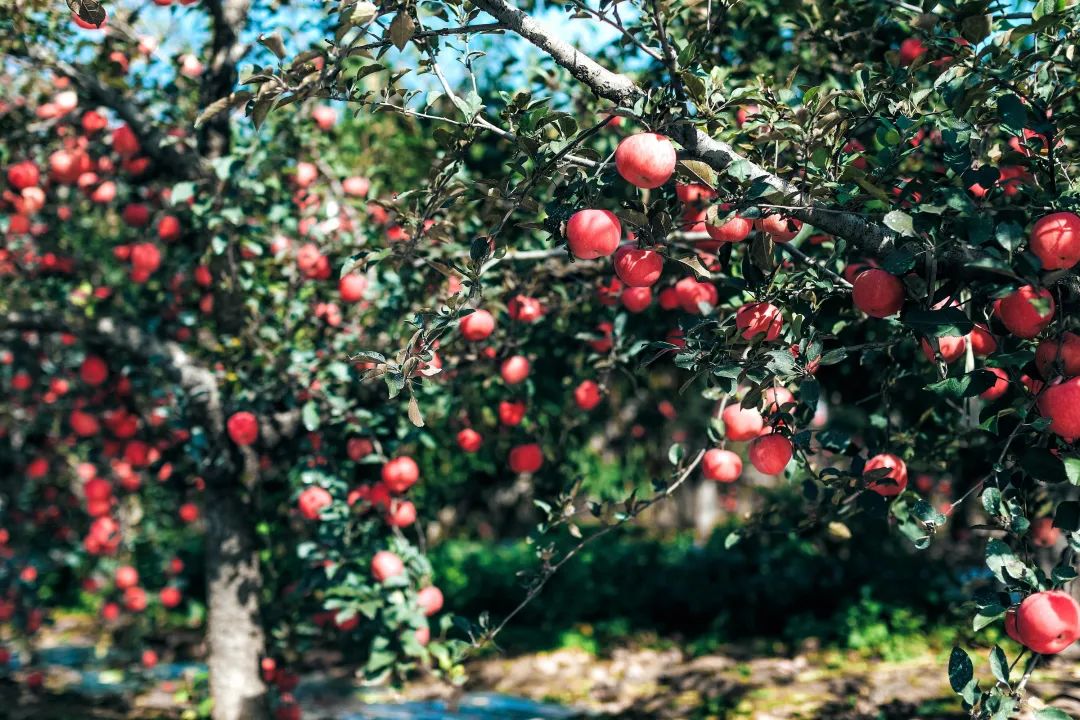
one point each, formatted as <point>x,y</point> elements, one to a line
<point>233,584</point>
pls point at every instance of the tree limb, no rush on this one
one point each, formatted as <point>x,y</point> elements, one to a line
<point>867,236</point>
<point>197,381</point>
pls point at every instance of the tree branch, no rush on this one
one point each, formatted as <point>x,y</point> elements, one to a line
<point>867,236</point>
<point>197,381</point>
<point>152,141</point>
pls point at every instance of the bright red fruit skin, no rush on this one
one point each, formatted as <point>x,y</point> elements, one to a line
<point>1061,403</point>
<point>1048,621</point>
<point>877,293</point>
<point>592,234</point>
<point>400,474</point>
<point>1055,240</point>
<point>897,474</point>
<point>386,565</point>
<point>645,160</point>
<point>770,454</point>
<point>1019,314</point>
<point>1061,356</point>
<point>721,465</point>
<point>243,428</point>
<point>469,440</point>
<point>1000,386</point>
<point>760,318</point>
<point>526,458</point>
<point>312,500</point>
<point>951,348</point>
<point>587,395</point>
<point>741,423</point>
<point>477,326</point>
<point>637,267</point>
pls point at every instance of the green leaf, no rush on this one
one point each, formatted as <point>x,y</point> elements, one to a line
<point>900,222</point>
<point>937,323</point>
<point>1052,714</point>
<point>1072,470</point>
<point>899,261</point>
<point>310,416</point>
<point>1067,516</point>
<point>961,671</point>
<point>1043,465</point>
<point>999,664</point>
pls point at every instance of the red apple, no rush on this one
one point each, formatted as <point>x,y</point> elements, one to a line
<point>400,474</point>
<point>386,565</point>
<point>526,458</point>
<point>469,440</point>
<point>312,500</point>
<point>741,423</point>
<point>1061,403</point>
<point>592,234</point>
<point>243,428</point>
<point>1000,386</point>
<point>1048,621</point>
<point>770,454</point>
<point>515,369</point>
<point>477,325</point>
<point>352,287</point>
<point>721,465</point>
<point>951,348</point>
<point>430,600</point>
<point>646,160</point>
<point>910,49</point>
<point>587,395</point>
<point>760,318</point>
<point>691,294</point>
<point>637,267</point>
<point>636,299</point>
<point>1055,240</point>
<point>894,482</point>
<point>1059,357</point>
<point>1026,312</point>
<point>877,293</point>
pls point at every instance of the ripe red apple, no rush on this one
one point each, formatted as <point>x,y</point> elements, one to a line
<point>592,234</point>
<point>352,287</point>
<point>646,160</point>
<point>759,318</point>
<point>135,215</point>
<point>1048,621</point>
<point>306,174</point>
<point>741,423</point>
<point>1061,403</point>
<point>691,294</point>
<point>1026,311</point>
<point>170,597</point>
<point>324,116</point>
<point>951,348</point>
<point>721,465</point>
<point>23,175</point>
<point>386,565</point>
<point>894,482</point>
<point>587,395</point>
<point>1043,532</point>
<point>93,371</point>
<point>637,267</point>
<point>511,413</point>
<point>526,458</point>
<point>693,193</point>
<point>910,49</point>
<point>1055,240</point>
<point>312,500</point>
<point>356,186</point>
<point>430,600</point>
<point>770,454</point>
<point>358,448</point>
<point>636,299</point>
<point>514,369</point>
<point>1059,357</point>
<point>1000,386</point>
<point>243,428</point>
<point>781,229</point>
<point>477,325</point>
<point>402,513</point>
<point>400,474</point>
<point>145,257</point>
<point>878,293</point>
<point>126,577</point>
<point>735,229</point>
<point>135,599</point>
<point>469,440</point>
<point>982,342</point>
<point>524,309</point>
